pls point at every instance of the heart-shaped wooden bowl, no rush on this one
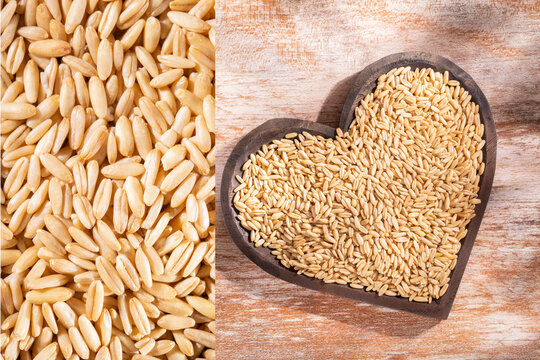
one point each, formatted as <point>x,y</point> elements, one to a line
<point>364,83</point>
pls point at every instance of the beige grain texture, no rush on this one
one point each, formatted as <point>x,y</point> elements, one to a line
<point>88,226</point>
<point>297,59</point>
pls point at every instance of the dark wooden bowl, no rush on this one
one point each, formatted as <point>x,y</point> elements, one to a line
<point>365,83</point>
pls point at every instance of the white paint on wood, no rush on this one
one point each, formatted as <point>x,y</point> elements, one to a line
<point>293,59</point>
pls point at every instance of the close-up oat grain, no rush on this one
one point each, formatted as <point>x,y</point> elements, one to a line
<point>107,168</point>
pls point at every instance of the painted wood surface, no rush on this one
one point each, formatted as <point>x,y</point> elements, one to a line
<point>295,59</point>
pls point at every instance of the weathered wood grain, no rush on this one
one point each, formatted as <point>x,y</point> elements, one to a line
<point>295,59</point>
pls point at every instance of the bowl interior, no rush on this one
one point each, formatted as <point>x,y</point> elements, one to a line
<point>364,83</point>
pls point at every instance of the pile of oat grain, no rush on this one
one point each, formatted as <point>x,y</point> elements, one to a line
<point>382,206</point>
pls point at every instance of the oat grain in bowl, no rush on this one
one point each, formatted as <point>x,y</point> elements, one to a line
<point>107,196</point>
<point>381,207</point>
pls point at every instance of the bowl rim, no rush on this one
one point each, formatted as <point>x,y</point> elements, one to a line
<point>362,85</point>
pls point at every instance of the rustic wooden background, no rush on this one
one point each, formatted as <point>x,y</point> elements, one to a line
<point>295,59</point>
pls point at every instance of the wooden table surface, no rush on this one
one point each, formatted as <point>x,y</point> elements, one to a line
<point>295,59</point>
